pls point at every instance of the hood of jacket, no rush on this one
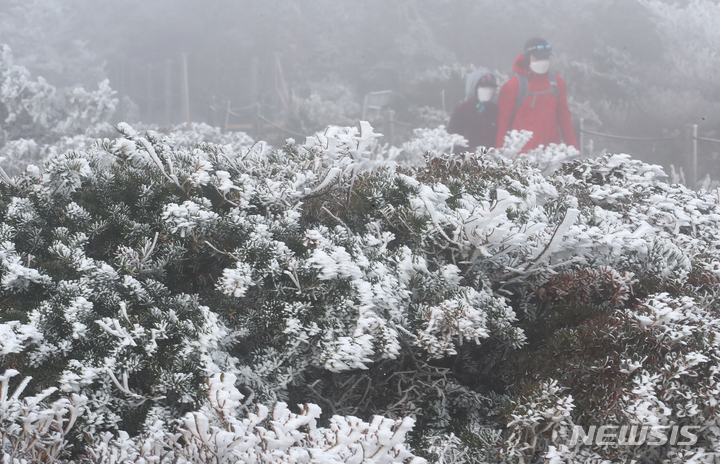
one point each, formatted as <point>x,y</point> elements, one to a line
<point>471,81</point>
<point>520,67</point>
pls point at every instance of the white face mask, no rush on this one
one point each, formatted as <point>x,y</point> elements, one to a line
<point>540,66</point>
<point>485,94</point>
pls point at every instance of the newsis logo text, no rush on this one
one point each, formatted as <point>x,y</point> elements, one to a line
<point>634,435</point>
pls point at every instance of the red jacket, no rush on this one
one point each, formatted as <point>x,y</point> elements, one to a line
<point>547,119</point>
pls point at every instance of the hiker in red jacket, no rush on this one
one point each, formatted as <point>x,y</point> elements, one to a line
<point>476,117</point>
<point>535,100</point>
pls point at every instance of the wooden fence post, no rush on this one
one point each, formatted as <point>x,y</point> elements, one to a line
<point>134,94</point>
<point>150,97</point>
<point>391,126</point>
<point>122,87</point>
<point>168,92</point>
<point>254,80</point>
<point>255,97</point>
<point>227,117</point>
<point>281,88</point>
<point>691,134</point>
<point>185,91</point>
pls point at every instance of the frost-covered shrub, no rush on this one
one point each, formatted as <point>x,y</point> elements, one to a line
<point>35,109</point>
<point>321,272</point>
<point>429,115</point>
<point>33,430</point>
<point>633,349</point>
<point>81,109</point>
<point>150,265</point>
<point>39,121</point>
<point>218,434</point>
<point>689,36</point>
<point>329,102</point>
<point>647,366</point>
<point>197,133</point>
<point>547,159</point>
<point>428,143</point>
<point>19,153</point>
<point>27,104</point>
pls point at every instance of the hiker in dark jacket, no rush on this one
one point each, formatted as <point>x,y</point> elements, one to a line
<point>476,117</point>
<point>535,100</point>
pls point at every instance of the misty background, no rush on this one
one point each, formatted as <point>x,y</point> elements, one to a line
<point>639,68</point>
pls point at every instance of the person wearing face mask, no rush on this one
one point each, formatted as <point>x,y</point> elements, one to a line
<point>476,117</point>
<point>535,100</point>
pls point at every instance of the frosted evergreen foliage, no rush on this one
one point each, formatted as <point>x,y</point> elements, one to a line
<point>691,35</point>
<point>677,389</point>
<point>430,142</point>
<point>36,108</point>
<point>547,159</point>
<point>322,273</point>
<point>329,102</point>
<point>218,433</point>
<point>33,429</point>
<point>17,154</point>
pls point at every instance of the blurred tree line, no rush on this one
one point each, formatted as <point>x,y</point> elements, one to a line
<point>641,67</point>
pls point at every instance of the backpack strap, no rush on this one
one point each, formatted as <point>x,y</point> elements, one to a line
<point>554,86</point>
<point>522,95</point>
<point>524,90</point>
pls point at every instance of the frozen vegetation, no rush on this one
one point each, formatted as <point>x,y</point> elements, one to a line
<point>183,295</point>
<point>165,298</point>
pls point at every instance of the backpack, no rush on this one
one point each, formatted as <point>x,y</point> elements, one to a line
<point>525,91</point>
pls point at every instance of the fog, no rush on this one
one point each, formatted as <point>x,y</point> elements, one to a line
<point>175,290</point>
<point>641,68</point>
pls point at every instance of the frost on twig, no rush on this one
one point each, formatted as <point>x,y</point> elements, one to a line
<point>34,430</point>
<point>220,434</point>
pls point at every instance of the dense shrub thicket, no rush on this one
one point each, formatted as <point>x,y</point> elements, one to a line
<point>490,305</point>
<point>35,109</point>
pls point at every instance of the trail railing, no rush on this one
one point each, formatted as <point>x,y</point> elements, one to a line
<point>253,118</point>
<point>691,138</point>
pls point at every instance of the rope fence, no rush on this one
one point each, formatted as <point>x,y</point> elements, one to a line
<point>397,123</point>
<point>141,98</point>
<point>623,137</point>
<point>707,139</point>
<point>296,134</point>
<point>234,111</point>
<point>255,114</point>
<point>691,139</point>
